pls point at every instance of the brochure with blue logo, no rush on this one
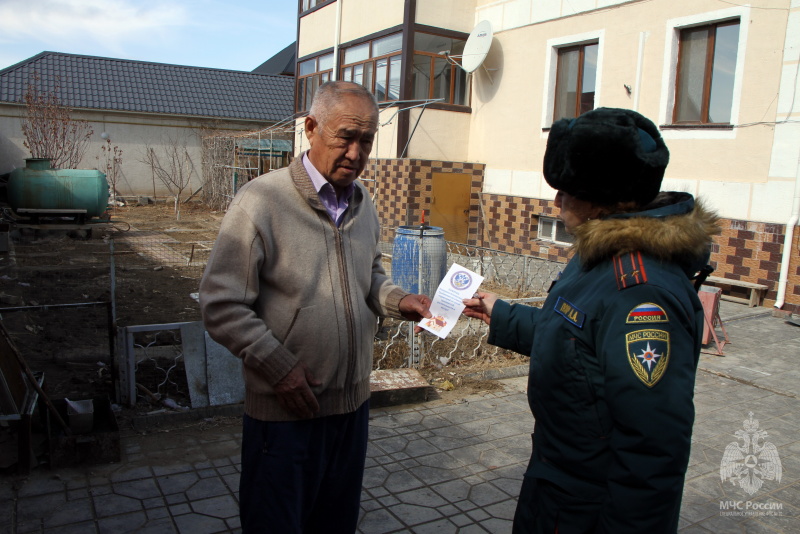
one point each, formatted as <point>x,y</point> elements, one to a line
<point>459,283</point>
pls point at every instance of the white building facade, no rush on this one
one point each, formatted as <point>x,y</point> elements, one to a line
<point>720,79</point>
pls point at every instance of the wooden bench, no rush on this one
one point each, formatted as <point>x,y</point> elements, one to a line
<point>756,290</point>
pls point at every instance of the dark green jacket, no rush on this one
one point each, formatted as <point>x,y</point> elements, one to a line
<point>614,351</point>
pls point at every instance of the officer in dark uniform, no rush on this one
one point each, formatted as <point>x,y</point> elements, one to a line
<point>614,348</point>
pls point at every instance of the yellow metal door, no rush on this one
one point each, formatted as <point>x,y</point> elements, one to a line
<point>450,204</point>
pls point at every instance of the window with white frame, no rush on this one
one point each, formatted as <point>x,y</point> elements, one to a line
<point>704,84</point>
<point>576,79</point>
<point>573,75</point>
<point>552,229</point>
<point>703,71</point>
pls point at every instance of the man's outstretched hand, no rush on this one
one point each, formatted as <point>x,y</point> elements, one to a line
<point>415,307</point>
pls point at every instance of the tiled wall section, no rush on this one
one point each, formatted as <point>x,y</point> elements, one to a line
<point>752,251</point>
<point>404,191</point>
<point>748,251</point>
<point>512,225</point>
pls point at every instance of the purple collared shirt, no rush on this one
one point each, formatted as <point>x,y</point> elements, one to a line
<point>327,194</point>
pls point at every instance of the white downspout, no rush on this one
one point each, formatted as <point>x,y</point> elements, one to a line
<point>337,35</point>
<point>639,67</point>
<point>786,258</point>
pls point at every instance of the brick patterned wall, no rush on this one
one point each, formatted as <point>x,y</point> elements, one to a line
<point>748,251</point>
<point>404,191</point>
<point>512,225</point>
<point>745,250</point>
<point>752,251</point>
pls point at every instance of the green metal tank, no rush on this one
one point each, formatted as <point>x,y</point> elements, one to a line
<point>39,189</point>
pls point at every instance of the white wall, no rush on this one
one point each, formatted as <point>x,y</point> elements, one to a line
<point>12,151</point>
<point>785,159</point>
<point>358,18</point>
<point>385,145</point>
<point>130,132</point>
<point>747,171</point>
<point>458,15</point>
<point>510,14</point>
<point>440,135</point>
<point>317,31</point>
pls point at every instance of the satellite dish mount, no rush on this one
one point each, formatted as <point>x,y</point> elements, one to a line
<point>475,49</point>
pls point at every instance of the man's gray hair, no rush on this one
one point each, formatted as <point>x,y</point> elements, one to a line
<point>329,94</point>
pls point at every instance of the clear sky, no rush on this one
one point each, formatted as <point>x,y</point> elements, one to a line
<point>237,35</point>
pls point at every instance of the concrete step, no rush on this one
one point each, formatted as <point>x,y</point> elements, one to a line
<point>391,387</point>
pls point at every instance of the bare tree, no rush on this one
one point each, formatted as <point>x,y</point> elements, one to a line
<point>230,160</point>
<point>110,162</point>
<point>172,165</point>
<point>50,131</point>
<point>218,173</point>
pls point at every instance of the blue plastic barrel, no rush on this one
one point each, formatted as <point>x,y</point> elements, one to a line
<point>419,258</point>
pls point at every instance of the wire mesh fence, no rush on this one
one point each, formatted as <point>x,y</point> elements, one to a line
<point>152,367</point>
<point>418,258</point>
<point>231,160</point>
<point>514,277</point>
<point>147,250</point>
<point>57,310</point>
<point>67,294</point>
<point>63,294</point>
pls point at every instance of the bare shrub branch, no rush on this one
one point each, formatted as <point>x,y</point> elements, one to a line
<point>110,163</point>
<point>173,166</point>
<point>49,130</point>
<point>217,171</point>
<point>231,160</point>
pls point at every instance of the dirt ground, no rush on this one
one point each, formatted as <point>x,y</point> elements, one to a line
<point>64,278</point>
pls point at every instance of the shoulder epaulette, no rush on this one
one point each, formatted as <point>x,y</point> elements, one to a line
<point>629,270</point>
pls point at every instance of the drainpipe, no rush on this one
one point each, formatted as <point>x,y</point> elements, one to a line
<point>783,280</point>
<point>337,35</point>
<point>639,66</point>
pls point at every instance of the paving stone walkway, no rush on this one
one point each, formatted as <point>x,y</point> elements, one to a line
<point>441,466</point>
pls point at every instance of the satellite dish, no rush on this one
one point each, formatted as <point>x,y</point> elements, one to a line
<point>477,46</point>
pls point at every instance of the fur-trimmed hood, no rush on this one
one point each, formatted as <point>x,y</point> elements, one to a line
<point>673,228</point>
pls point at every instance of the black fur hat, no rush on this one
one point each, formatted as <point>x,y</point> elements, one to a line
<point>606,156</point>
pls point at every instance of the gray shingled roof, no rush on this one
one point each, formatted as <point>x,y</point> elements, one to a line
<point>139,86</point>
<point>281,63</point>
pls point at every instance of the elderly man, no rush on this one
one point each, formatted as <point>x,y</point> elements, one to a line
<point>294,287</point>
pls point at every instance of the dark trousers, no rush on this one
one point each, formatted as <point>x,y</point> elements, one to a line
<point>303,476</point>
<point>544,508</point>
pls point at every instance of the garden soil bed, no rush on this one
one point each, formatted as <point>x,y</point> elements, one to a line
<point>58,268</point>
